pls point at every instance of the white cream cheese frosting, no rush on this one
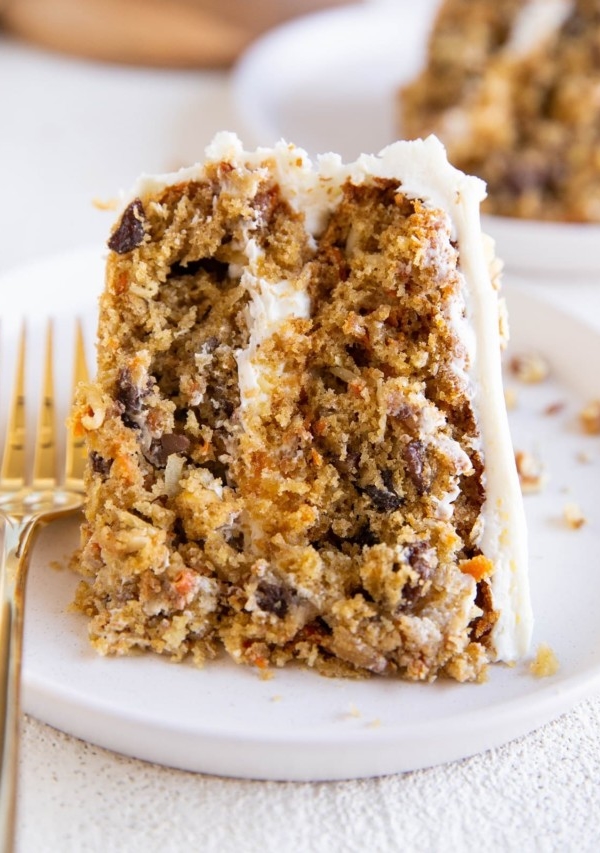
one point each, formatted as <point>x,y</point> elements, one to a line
<point>423,172</point>
<point>271,304</point>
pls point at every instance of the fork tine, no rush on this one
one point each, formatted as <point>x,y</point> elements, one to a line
<point>35,498</point>
<point>76,455</point>
<point>44,465</point>
<point>12,472</point>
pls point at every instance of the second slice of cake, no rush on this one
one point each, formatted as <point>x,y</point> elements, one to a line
<point>298,441</point>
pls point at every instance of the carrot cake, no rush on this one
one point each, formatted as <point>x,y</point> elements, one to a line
<point>298,444</point>
<point>511,88</point>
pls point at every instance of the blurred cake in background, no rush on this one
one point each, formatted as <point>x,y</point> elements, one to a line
<point>513,90</point>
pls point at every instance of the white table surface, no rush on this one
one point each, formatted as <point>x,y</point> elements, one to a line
<point>71,131</point>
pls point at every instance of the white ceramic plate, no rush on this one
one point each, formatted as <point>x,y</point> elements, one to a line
<point>225,719</point>
<point>328,82</point>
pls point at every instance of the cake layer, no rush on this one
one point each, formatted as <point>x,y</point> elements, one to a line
<point>298,442</point>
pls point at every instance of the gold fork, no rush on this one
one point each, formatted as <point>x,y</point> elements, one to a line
<point>35,488</point>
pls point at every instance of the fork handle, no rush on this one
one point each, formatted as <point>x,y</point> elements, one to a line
<point>17,541</point>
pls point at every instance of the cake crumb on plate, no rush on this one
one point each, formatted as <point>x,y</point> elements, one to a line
<point>530,367</point>
<point>589,417</point>
<point>545,662</point>
<point>573,515</point>
<point>531,472</point>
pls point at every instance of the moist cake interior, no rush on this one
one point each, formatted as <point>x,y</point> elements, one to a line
<point>284,455</point>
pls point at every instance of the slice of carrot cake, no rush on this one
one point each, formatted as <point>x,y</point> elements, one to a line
<point>298,445</point>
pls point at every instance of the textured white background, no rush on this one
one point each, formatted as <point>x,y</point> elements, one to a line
<point>71,131</point>
<point>540,793</point>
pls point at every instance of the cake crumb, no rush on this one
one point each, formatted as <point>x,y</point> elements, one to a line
<point>353,711</point>
<point>583,457</point>
<point>589,418</point>
<point>266,674</point>
<point>545,662</point>
<point>105,203</point>
<point>531,472</point>
<point>276,698</point>
<point>530,367</point>
<point>555,408</point>
<point>511,398</point>
<point>573,515</point>
<point>374,724</point>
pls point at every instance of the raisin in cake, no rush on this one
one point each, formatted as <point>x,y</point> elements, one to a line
<point>511,88</point>
<point>298,446</point>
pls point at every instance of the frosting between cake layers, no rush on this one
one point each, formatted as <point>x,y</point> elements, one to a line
<point>271,304</point>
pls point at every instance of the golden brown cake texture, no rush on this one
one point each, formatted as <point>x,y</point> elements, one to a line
<point>310,490</point>
<point>511,88</point>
